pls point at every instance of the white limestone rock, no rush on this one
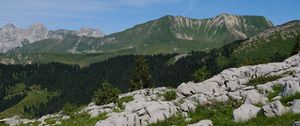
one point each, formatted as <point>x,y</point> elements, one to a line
<point>296,106</point>
<point>202,123</point>
<point>254,97</point>
<point>13,121</point>
<point>95,110</point>
<point>188,106</point>
<point>274,109</point>
<point>297,123</point>
<point>291,87</point>
<point>245,112</point>
<point>141,113</point>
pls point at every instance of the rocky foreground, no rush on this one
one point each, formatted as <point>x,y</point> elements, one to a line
<point>149,106</point>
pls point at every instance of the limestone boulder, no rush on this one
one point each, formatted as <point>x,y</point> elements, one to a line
<point>296,106</point>
<point>202,123</point>
<point>291,87</point>
<point>274,109</point>
<point>245,112</point>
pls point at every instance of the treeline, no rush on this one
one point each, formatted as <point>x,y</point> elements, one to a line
<point>76,85</point>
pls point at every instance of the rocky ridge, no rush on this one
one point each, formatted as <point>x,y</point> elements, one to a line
<point>12,36</point>
<point>149,106</point>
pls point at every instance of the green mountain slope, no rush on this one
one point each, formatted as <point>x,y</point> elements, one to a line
<point>168,34</point>
<point>277,40</point>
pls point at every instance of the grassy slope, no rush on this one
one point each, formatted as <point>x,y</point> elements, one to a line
<point>33,97</point>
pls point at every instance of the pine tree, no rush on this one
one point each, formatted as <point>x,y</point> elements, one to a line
<point>201,74</point>
<point>141,75</point>
<point>297,46</point>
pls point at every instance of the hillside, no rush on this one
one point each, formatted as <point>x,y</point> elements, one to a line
<point>168,34</point>
<point>264,94</point>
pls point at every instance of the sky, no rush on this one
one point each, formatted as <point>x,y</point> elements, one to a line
<point>116,15</point>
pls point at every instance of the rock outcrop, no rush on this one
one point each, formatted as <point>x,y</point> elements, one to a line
<point>296,106</point>
<point>202,123</point>
<point>274,109</point>
<point>245,112</point>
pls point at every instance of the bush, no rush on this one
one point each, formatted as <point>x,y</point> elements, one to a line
<point>69,109</point>
<point>201,74</point>
<point>106,94</point>
<point>170,95</point>
<point>277,89</point>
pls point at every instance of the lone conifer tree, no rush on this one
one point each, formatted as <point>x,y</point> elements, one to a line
<point>141,75</point>
<point>296,48</point>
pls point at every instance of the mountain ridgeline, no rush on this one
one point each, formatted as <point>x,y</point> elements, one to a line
<point>13,37</point>
<point>168,34</point>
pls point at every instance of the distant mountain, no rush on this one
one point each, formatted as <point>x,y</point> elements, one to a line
<point>12,37</point>
<point>168,34</point>
<point>278,40</point>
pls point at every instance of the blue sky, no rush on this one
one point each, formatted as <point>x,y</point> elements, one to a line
<point>116,15</point>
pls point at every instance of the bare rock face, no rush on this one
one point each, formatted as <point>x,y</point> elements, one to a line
<point>90,32</point>
<point>11,36</point>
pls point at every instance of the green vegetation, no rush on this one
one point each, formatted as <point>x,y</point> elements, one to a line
<point>69,109</point>
<point>263,79</point>
<point>141,75</point>
<point>276,90</point>
<point>169,95</point>
<point>122,100</point>
<point>201,74</point>
<point>83,119</point>
<point>290,98</point>
<point>106,94</point>
<point>33,97</point>
<point>296,48</point>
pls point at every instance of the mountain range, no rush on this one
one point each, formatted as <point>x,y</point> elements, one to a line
<point>167,34</point>
<point>14,37</point>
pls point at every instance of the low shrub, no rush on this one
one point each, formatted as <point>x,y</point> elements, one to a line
<point>106,94</point>
<point>170,95</point>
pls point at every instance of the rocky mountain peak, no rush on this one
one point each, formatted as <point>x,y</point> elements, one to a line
<point>38,26</point>
<point>90,32</point>
<point>8,27</point>
<point>36,32</point>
